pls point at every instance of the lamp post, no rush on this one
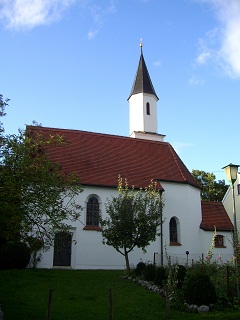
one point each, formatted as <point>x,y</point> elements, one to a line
<point>187,253</point>
<point>231,171</point>
<point>161,228</point>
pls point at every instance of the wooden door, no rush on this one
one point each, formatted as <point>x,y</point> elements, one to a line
<point>62,249</point>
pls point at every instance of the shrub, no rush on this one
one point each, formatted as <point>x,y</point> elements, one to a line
<point>14,255</point>
<point>181,274</point>
<point>160,276</point>
<point>198,289</point>
<point>35,245</point>
<point>140,268</point>
<point>149,272</point>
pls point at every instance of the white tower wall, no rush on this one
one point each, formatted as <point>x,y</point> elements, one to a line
<point>139,119</point>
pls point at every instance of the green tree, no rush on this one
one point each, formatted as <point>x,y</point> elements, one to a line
<point>211,189</point>
<point>36,198</point>
<point>3,105</point>
<point>133,218</point>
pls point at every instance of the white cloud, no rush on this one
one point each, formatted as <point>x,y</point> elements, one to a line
<point>27,14</point>
<point>157,63</point>
<point>204,53</point>
<point>98,14</point>
<point>92,33</point>
<point>230,50</point>
<point>179,146</point>
<point>203,57</point>
<point>195,81</point>
<point>222,45</point>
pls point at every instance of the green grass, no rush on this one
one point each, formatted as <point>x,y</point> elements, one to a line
<point>84,295</point>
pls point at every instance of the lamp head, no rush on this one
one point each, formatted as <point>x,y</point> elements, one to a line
<point>231,172</point>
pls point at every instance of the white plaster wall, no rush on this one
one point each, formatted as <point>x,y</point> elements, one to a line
<point>139,120</point>
<point>226,254</point>
<point>228,203</point>
<point>89,252</point>
<point>183,202</point>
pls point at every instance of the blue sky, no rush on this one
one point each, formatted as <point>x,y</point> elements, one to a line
<point>71,64</point>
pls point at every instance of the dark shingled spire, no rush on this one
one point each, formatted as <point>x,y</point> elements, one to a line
<point>142,82</point>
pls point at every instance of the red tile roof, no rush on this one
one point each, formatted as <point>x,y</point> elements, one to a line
<point>214,214</point>
<point>98,158</point>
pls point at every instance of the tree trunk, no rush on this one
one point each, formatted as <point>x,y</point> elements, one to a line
<point>126,259</point>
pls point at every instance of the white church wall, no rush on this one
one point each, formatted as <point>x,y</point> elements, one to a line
<point>180,200</point>
<point>219,254</point>
<point>88,251</point>
<point>183,202</point>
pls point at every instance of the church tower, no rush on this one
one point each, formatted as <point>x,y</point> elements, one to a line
<point>143,105</point>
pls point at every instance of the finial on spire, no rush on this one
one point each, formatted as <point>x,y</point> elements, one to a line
<point>141,44</point>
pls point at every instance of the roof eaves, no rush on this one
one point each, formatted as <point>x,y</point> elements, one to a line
<point>181,182</point>
<point>206,227</point>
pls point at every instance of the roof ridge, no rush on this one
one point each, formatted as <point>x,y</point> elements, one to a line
<point>95,134</point>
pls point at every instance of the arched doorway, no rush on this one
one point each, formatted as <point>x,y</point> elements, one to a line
<point>62,249</point>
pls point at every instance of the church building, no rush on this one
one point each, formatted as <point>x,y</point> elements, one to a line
<point>98,159</point>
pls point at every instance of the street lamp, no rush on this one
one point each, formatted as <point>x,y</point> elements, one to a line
<point>231,171</point>
<point>161,227</point>
<point>187,253</point>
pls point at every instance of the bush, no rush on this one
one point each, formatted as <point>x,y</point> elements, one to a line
<point>181,274</point>
<point>14,255</point>
<point>140,268</point>
<point>198,289</point>
<point>35,244</point>
<point>149,272</point>
<point>160,276</point>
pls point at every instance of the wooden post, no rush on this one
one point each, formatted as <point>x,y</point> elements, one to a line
<point>49,304</point>
<point>110,304</point>
<point>167,303</point>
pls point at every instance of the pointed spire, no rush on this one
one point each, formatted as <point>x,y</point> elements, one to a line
<point>142,82</point>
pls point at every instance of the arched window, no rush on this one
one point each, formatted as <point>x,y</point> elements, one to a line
<point>173,230</point>
<point>148,108</point>
<point>92,212</point>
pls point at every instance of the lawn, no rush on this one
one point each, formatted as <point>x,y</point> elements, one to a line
<point>84,295</point>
